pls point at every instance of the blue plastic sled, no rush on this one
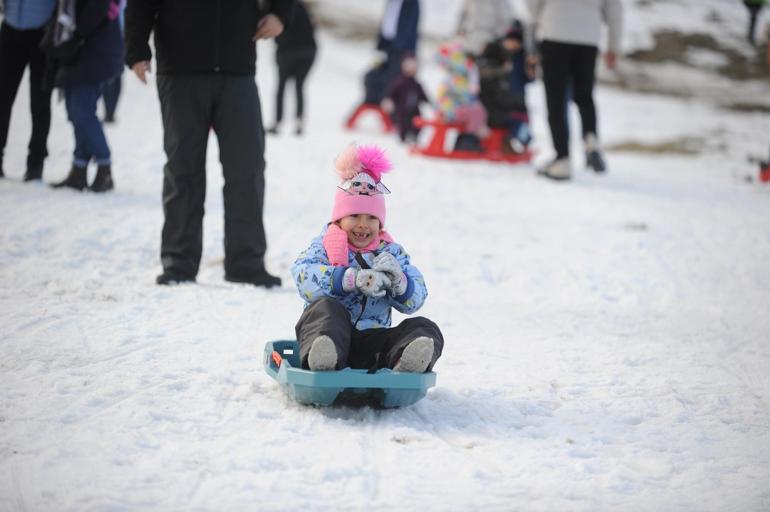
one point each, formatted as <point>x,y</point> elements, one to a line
<point>385,388</point>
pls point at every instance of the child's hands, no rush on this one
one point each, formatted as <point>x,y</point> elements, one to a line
<point>387,263</point>
<point>371,283</point>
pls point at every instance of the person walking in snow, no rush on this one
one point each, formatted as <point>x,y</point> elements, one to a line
<point>99,59</point>
<point>294,54</point>
<point>353,274</point>
<point>206,62</point>
<point>22,29</point>
<point>398,37</point>
<point>569,32</point>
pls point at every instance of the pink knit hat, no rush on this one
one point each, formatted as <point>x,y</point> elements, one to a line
<point>361,191</point>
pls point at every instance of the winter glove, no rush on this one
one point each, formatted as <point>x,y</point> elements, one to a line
<point>371,283</point>
<point>387,263</point>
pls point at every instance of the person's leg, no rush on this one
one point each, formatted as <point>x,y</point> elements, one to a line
<point>302,68</point>
<point>237,121</point>
<point>13,60</point>
<point>40,105</point>
<point>77,100</point>
<point>400,336</point>
<point>111,93</point>
<point>279,93</point>
<point>185,103</point>
<point>324,317</point>
<point>583,67</point>
<point>555,64</point>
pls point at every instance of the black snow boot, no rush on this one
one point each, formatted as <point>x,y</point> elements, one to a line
<point>260,278</point>
<point>34,169</point>
<point>75,179</point>
<point>103,180</point>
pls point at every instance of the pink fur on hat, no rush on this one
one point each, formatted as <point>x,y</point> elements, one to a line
<point>368,163</point>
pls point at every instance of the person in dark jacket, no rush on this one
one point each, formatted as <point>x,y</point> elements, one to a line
<point>99,59</point>
<point>397,38</point>
<point>20,35</point>
<point>206,62</point>
<point>294,54</point>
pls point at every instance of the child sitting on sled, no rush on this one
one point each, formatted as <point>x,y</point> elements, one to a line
<point>351,276</point>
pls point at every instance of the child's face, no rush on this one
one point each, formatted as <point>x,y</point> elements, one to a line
<point>361,228</point>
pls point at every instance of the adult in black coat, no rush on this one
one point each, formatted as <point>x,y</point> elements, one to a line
<point>99,59</point>
<point>294,54</point>
<point>206,61</point>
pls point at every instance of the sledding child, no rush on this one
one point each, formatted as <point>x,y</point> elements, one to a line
<point>403,99</point>
<point>457,99</point>
<point>504,75</point>
<point>351,276</point>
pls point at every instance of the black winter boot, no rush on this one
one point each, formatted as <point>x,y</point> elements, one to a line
<point>34,169</point>
<point>103,180</point>
<point>75,179</point>
<point>259,278</point>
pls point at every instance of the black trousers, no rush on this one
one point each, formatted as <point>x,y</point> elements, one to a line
<point>191,105</point>
<point>295,66</point>
<point>568,65</point>
<point>19,48</point>
<point>370,348</point>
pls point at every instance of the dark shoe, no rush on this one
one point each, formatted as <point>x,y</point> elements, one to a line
<point>75,179</point>
<point>595,161</point>
<point>109,118</point>
<point>103,180</point>
<point>299,128</point>
<point>273,130</point>
<point>468,142</point>
<point>34,169</point>
<point>594,158</point>
<point>170,277</point>
<point>261,278</point>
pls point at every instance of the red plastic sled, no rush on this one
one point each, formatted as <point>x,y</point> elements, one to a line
<point>387,124</point>
<point>493,144</point>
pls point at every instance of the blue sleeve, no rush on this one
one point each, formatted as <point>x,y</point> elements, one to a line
<point>314,276</point>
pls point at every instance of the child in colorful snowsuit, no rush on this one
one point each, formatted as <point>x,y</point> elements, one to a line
<point>351,276</point>
<point>457,99</point>
<point>502,66</point>
<point>403,100</point>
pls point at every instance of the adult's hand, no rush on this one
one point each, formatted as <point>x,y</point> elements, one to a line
<point>610,59</point>
<point>530,66</point>
<point>269,26</point>
<point>141,69</point>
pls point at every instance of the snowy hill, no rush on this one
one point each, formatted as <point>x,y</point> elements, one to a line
<point>607,340</point>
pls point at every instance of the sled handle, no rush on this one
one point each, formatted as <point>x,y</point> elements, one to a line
<point>277,359</point>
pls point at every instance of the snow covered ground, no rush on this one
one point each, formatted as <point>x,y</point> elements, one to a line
<point>607,340</point>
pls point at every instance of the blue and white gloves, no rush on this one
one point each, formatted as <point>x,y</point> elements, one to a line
<point>384,276</point>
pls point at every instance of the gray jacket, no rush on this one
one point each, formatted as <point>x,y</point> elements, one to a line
<point>577,21</point>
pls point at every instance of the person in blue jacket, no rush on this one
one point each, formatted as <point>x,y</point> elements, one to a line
<point>23,26</point>
<point>353,274</point>
<point>99,59</point>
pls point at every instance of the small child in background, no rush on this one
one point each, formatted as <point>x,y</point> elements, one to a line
<point>403,99</point>
<point>351,276</point>
<point>457,98</point>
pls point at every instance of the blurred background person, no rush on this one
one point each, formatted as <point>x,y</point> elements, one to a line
<point>482,21</point>
<point>295,51</point>
<point>754,6</point>
<point>20,34</point>
<point>568,33</point>
<point>99,59</point>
